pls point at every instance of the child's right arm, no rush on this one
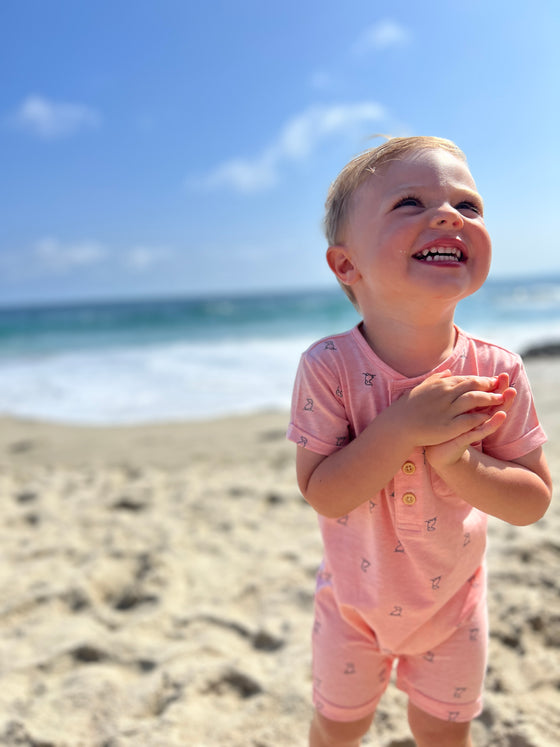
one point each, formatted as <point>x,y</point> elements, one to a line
<point>439,409</point>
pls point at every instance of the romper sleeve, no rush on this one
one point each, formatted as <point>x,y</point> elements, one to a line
<point>521,433</point>
<point>318,416</point>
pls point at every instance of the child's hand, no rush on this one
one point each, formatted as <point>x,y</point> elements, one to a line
<point>449,452</point>
<point>444,407</point>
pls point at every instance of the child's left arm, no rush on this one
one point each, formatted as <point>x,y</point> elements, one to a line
<point>517,491</point>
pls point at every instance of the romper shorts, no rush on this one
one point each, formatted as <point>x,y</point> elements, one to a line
<point>351,673</point>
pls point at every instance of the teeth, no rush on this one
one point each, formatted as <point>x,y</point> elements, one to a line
<point>441,253</point>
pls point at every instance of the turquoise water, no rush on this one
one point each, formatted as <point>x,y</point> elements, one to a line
<point>175,358</point>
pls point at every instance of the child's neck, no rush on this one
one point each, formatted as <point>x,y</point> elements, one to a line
<point>411,348</point>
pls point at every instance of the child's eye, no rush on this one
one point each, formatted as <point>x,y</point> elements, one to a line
<point>409,201</point>
<point>470,207</point>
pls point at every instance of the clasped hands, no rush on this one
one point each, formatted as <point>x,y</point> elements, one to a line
<point>446,413</point>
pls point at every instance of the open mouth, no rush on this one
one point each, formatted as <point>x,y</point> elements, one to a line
<point>441,254</point>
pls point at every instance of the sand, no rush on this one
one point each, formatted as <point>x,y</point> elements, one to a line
<point>158,582</point>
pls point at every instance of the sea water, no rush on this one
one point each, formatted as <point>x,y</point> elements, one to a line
<point>170,359</point>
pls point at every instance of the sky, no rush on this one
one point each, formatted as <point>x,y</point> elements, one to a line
<point>182,148</point>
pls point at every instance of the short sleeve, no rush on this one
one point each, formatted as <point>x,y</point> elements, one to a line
<point>521,433</point>
<point>318,418</point>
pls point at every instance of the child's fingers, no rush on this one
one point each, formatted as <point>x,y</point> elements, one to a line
<point>486,429</point>
<point>473,383</point>
<point>449,452</point>
<point>476,400</point>
<point>465,423</point>
<point>476,434</point>
<point>460,384</point>
<point>480,422</point>
<point>502,382</point>
<point>508,398</point>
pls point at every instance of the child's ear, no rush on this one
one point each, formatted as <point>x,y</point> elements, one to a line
<point>342,265</point>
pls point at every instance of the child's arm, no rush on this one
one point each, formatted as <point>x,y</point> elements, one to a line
<point>518,491</point>
<point>438,410</point>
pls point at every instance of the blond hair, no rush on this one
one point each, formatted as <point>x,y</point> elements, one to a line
<point>355,173</point>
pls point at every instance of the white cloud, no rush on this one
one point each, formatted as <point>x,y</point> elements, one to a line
<point>295,142</point>
<point>142,258</point>
<point>381,36</point>
<point>50,119</point>
<point>55,256</point>
<point>244,175</point>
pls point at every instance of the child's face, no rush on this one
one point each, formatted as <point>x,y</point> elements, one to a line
<point>415,231</point>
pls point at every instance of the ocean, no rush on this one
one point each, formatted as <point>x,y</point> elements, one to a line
<point>159,360</point>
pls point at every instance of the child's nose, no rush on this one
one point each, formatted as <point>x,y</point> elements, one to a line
<point>445,216</point>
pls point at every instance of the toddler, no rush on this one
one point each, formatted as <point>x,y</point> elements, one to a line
<point>409,432</point>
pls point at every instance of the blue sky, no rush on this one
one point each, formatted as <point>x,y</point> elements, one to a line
<point>181,147</point>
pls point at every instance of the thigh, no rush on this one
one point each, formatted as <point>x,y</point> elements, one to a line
<point>447,681</point>
<point>350,674</point>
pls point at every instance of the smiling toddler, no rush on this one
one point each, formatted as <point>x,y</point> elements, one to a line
<point>409,433</point>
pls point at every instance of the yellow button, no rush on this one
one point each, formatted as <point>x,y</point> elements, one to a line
<point>409,468</point>
<point>409,499</point>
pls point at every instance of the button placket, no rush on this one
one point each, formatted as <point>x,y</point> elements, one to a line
<point>407,484</point>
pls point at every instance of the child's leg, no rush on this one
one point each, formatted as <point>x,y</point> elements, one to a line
<point>350,674</point>
<point>327,733</point>
<point>428,730</point>
<point>445,684</point>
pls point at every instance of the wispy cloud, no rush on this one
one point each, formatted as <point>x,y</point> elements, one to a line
<point>295,142</point>
<point>51,256</point>
<point>58,257</point>
<point>144,258</point>
<point>53,119</point>
<point>380,36</point>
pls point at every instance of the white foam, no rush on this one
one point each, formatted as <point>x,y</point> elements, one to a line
<point>159,382</point>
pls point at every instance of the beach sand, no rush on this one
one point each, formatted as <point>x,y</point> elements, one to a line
<point>158,583</point>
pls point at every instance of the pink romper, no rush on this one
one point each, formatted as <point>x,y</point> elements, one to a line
<point>403,575</point>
